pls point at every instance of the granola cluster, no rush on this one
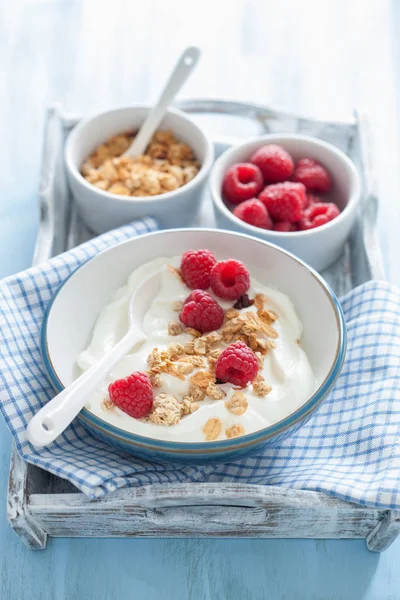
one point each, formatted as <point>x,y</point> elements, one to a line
<point>195,361</point>
<point>166,165</point>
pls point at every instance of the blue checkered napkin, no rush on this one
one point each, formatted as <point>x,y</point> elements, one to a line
<point>350,448</point>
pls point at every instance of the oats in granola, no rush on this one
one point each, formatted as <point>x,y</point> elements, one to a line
<point>261,387</point>
<point>269,316</point>
<point>260,358</point>
<point>237,404</point>
<point>174,328</point>
<point>177,305</point>
<point>193,332</point>
<point>155,379</point>
<point>235,431</point>
<point>199,346</point>
<point>201,379</point>
<point>196,393</point>
<point>212,429</point>
<point>259,301</point>
<point>212,338</point>
<point>166,410</point>
<point>231,313</point>
<point>189,348</point>
<point>196,361</point>
<point>176,272</point>
<point>184,367</point>
<point>214,354</point>
<point>214,392</point>
<point>175,351</point>
<point>165,166</point>
<point>107,405</point>
<point>188,406</point>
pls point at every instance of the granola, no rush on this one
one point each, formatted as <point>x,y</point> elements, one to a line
<point>237,404</point>
<point>166,410</point>
<point>188,406</point>
<point>214,392</point>
<point>166,165</point>
<point>107,404</point>
<point>235,431</point>
<point>202,379</point>
<point>199,346</point>
<point>177,305</point>
<point>212,429</point>
<point>261,387</point>
<point>174,328</point>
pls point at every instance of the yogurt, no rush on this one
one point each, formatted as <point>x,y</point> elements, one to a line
<point>286,367</point>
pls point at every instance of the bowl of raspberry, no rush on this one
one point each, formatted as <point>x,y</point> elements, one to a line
<point>243,341</point>
<point>292,190</point>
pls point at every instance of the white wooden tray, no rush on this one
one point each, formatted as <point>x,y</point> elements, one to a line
<point>42,505</point>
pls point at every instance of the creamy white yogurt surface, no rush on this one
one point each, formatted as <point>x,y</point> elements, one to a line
<point>286,368</point>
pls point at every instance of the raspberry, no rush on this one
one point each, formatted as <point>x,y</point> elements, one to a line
<point>284,201</point>
<point>274,162</point>
<point>313,175</point>
<point>133,394</point>
<point>241,182</point>
<point>201,312</point>
<point>312,199</point>
<point>285,226</point>
<point>237,364</point>
<point>318,214</point>
<point>230,279</point>
<point>253,212</point>
<point>196,267</point>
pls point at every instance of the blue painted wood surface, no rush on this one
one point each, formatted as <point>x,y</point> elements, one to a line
<point>316,58</point>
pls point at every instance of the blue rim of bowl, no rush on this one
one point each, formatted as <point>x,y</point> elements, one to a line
<point>249,440</point>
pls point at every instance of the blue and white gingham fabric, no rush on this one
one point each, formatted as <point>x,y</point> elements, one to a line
<point>350,448</point>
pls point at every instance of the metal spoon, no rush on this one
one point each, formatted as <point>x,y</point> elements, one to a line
<point>51,420</point>
<point>181,72</point>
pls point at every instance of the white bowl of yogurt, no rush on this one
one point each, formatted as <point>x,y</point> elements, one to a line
<point>89,313</point>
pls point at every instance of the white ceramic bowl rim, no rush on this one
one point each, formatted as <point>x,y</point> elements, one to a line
<point>74,170</point>
<point>354,198</point>
<point>276,428</point>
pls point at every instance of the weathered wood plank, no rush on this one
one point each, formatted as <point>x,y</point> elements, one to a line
<point>384,534</point>
<point>18,514</point>
<point>266,520</point>
<point>204,510</point>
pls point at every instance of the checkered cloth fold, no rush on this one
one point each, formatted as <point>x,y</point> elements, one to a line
<point>350,447</point>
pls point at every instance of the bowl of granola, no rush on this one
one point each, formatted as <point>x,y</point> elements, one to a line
<point>244,342</point>
<point>166,182</point>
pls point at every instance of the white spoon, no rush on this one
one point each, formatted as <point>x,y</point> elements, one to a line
<point>183,68</point>
<point>51,420</point>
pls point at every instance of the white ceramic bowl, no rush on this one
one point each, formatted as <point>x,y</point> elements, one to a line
<point>77,304</point>
<point>103,211</point>
<point>321,246</point>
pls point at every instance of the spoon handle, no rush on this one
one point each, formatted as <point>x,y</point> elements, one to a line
<point>58,413</point>
<point>183,68</point>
